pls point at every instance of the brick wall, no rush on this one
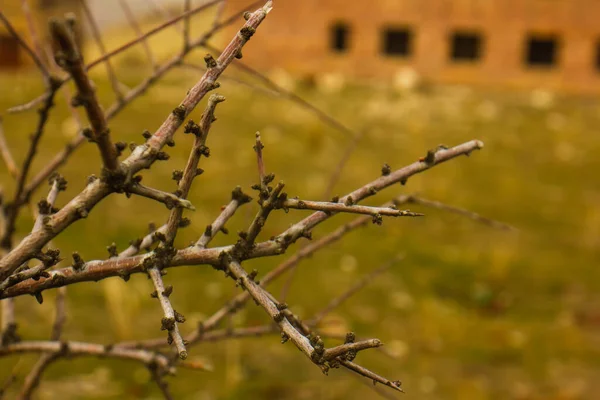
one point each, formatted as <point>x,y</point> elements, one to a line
<point>297,36</point>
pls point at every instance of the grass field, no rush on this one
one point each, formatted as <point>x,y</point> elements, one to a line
<point>470,313</point>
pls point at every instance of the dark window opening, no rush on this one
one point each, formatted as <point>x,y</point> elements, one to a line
<point>397,42</point>
<point>339,37</point>
<point>542,52</point>
<point>46,4</point>
<point>465,46</point>
<point>9,51</point>
<point>598,55</point>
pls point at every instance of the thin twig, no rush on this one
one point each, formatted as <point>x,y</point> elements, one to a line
<point>142,157</point>
<point>171,317</point>
<point>112,76</point>
<point>413,199</point>
<point>38,62</point>
<point>333,179</point>
<point>273,310</point>
<point>8,326</point>
<point>143,244</point>
<point>186,25</point>
<point>170,200</point>
<point>323,116</point>
<point>70,60</point>
<point>371,375</point>
<point>78,349</point>
<point>29,105</point>
<point>337,173</point>
<point>329,207</point>
<point>138,31</point>
<point>258,147</point>
<point>60,158</point>
<point>333,304</point>
<point>193,255</point>
<point>191,168</point>
<point>12,215</point>
<point>6,154</point>
<point>432,159</point>
<point>32,30</point>
<point>45,207</point>
<point>32,380</point>
<point>158,377</point>
<point>60,314</point>
<point>238,198</point>
<point>234,79</point>
<point>314,348</point>
<point>210,336</point>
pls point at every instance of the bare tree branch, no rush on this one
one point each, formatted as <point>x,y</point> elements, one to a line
<point>32,380</point>
<point>112,76</point>
<point>38,62</point>
<point>352,290</point>
<point>238,198</point>
<point>70,59</point>
<point>171,317</point>
<point>170,200</point>
<point>78,349</point>
<point>6,154</point>
<point>371,375</point>
<point>138,31</point>
<point>323,116</point>
<point>413,199</point>
<point>331,207</point>
<point>142,157</point>
<point>118,106</point>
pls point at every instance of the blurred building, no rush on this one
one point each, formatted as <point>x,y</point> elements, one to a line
<point>554,44</point>
<point>12,54</point>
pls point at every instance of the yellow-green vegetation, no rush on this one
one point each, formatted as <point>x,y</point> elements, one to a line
<point>470,313</point>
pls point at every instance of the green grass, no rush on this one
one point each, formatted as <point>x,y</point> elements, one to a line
<point>471,312</point>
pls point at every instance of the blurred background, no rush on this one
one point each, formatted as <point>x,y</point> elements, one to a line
<point>471,312</point>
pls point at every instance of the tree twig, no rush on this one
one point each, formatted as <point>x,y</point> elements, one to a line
<point>238,198</point>
<point>95,30</point>
<point>142,157</point>
<point>170,200</point>
<point>70,59</point>
<point>318,317</point>
<point>60,158</point>
<point>414,199</point>
<point>6,154</point>
<point>138,31</point>
<point>330,207</point>
<point>32,380</point>
<point>371,375</point>
<point>171,317</point>
<point>78,349</point>
<point>38,62</point>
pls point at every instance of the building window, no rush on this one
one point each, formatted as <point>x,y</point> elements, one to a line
<point>397,42</point>
<point>46,4</point>
<point>465,46</point>
<point>339,37</point>
<point>541,51</point>
<point>598,55</point>
<point>9,51</point>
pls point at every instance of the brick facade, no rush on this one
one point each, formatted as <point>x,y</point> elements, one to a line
<point>553,44</point>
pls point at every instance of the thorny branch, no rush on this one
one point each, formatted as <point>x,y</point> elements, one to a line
<point>18,278</point>
<point>101,269</point>
<point>165,250</point>
<point>69,58</point>
<point>142,157</point>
